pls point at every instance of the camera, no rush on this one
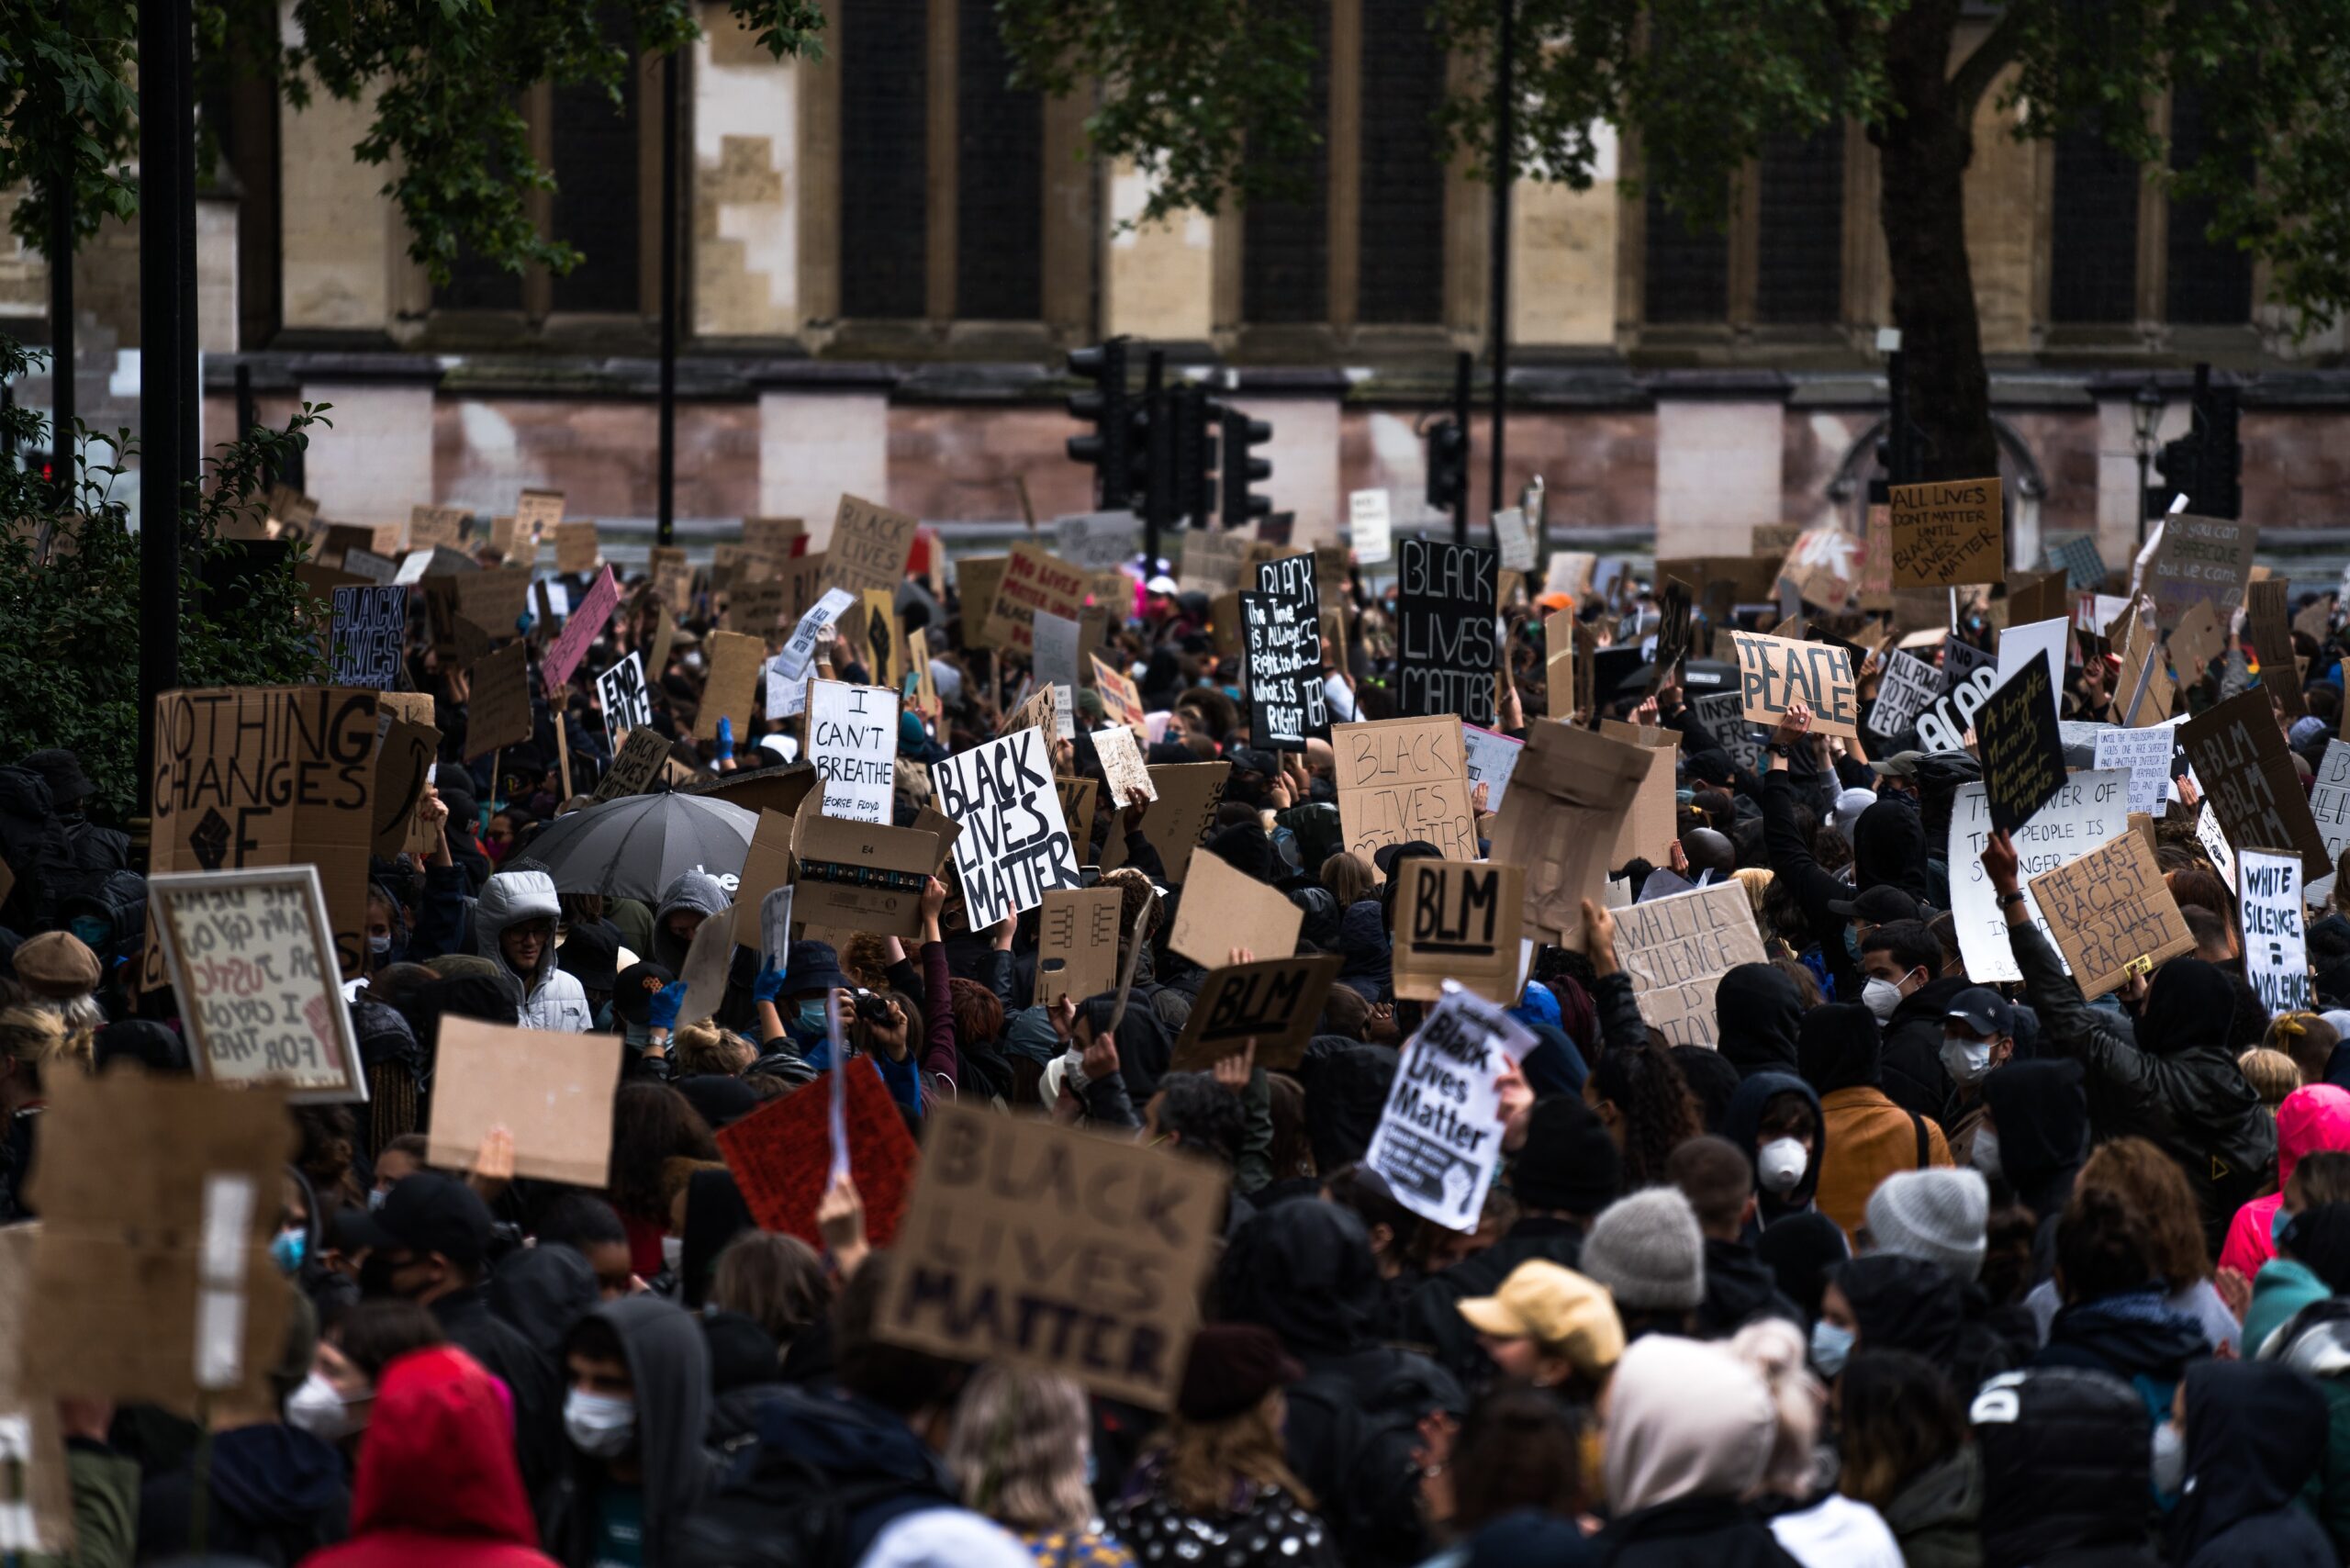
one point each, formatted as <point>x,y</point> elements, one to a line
<point>872,1006</point>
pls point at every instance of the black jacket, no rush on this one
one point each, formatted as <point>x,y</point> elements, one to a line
<point>1739,1288</point>
<point>1914,1079</point>
<point>1814,889</point>
<point>1700,1532</point>
<point>277,1495</point>
<point>1435,1319</point>
<point>2255,1431</point>
<point>2065,1469</point>
<point>507,1352</point>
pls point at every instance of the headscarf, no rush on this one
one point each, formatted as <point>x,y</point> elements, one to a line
<point>1757,1010</point>
<point>1686,1419</point>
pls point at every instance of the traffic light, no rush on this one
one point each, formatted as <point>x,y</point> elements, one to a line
<point>1447,465</point>
<point>2221,494</point>
<point>1196,447</point>
<point>1106,449</point>
<point>1242,505</point>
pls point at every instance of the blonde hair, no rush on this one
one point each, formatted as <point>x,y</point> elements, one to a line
<point>2271,1074</point>
<point>704,1048</point>
<point>1349,877</point>
<point>1756,881</point>
<point>1775,1349</point>
<point>1198,1460</point>
<point>1018,1449</point>
<point>41,1038</point>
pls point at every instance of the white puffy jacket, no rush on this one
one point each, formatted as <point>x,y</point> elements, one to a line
<point>551,998</point>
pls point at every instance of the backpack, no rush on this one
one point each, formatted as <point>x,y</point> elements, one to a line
<point>784,1512</point>
<point>1356,1444</point>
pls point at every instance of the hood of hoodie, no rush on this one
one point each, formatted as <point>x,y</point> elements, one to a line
<point>1757,1011</point>
<point>2189,1006</point>
<point>1685,1420</point>
<point>1367,955</point>
<point>1743,1124</point>
<point>544,1291</point>
<point>668,1358</point>
<point>1839,1045</point>
<point>439,1455</point>
<point>276,1474</point>
<point>1305,1272</point>
<point>851,1439</point>
<point>2255,1430</point>
<point>509,899</point>
<point>1903,1304</point>
<point>2042,1114</point>
<point>1889,848</point>
<point>2281,1289</point>
<point>2311,1118</point>
<point>698,892</point>
<point>1347,1084</point>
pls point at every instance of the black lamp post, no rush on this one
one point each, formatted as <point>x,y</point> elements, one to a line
<point>2145,430</point>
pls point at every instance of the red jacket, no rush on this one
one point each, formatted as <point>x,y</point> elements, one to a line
<point>437,1480</point>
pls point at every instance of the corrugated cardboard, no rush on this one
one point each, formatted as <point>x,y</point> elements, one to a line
<point>860,876</point>
<point>551,1090</point>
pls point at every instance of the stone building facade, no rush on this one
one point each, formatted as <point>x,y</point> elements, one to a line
<point>889,253</point>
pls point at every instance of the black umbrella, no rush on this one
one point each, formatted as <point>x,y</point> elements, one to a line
<point>635,847</point>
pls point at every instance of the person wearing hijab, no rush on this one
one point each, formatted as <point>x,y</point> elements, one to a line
<point>1689,1431</point>
<point>1756,1011</point>
<point>2250,1435</point>
<point>1868,1136</point>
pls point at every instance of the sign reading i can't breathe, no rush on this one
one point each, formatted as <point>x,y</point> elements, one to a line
<point>853,741</point>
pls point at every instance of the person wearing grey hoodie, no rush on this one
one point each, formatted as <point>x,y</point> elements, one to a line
<point>691,898</point>
<point>514,924</point>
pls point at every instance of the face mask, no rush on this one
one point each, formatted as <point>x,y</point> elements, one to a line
<point>496,848</point>
<point>604,1019</point>
<point>287,1248</point>
<point>1852,944</point>
<point>1830,1348</point>
<point>598,1424</point>
<point>379,945</point>
<point>1780,1164</point>
<point>1881,997</point>
<point>672,1252</point>
<point>317,1409</point>
<point>93,932</point>
<point>2279,1222</point>
<point>376,1196</point>
<point>2170,1459</point>
<point>808,1018</point>
<point>1985,1156</point>
<point>1965,1061</point>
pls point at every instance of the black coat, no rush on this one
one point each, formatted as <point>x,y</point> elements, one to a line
<point>2065,1469</point>
<point>2255,1431</point>
<point>1699,1532</point>
<point>1435,1318</point>
<point>1739,1288</point>
<point>1913,1074</point>
<point>507,1352</point>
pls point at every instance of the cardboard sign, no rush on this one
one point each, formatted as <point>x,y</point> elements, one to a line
<point>40,1510</point>
<point>2022,751</point>
<point>252,963</point>
<point>2142,689</point>
<point>1648,829</point>
<point>1948,533</point>
<point>2200,559</point>
<point>1055,642</point>
<point>736,663</point>
<point>369,636</point>
<point>537,513</point>
<point>1077,809</point>
<point>2247,775</point>
<point>1460,922</point>
<point>780,1155</point>
<point>767,865</point>
<point>580,630</point>
<point>1280,682</point>
<point>1400,779</point>
<point>977,577</point>
<point>1824,564</point>
<point>1371,529</point>
<point>862,876</point>
<point>403,771</point>
<point>853,741</point>
<point>1909,687</point>
<point>1677,948</point>
<point>498,713</point>
<point>1077,943</point>
<point>626,703</point>
<point>1445,650</point>
<point>925,693</point>
<point>1031,581</point>
<point>1188,794</point>
<point>1514,539</point>
<point>2330,798</point>
<point>268,776</point>
<point>2268,623</point>
<point>551,1089</point>
<point>1567,803</point>
<point>884,647</point>
<point>1039,710</point>
<point>152,1280</point>
<point>636,767</point>
<point>1121,703</point>
<point>429,526</point>
<point>493,600</point>
<point>1212,560</point>
<point>1098,540</point>
<point>1275,1001</point>
<point>1223,909</point>
<point>2276,948</point>
<point>2146,755</point>
<point>1776,672</point>
<point>1122,765</point>
<point>1439,1141</point>
<point>2110,914</point>
<point>1014,842</point>
<point>2082,567</point>
<point>2091,809</point>
<point>1559,662</point>
<point>1017,1228</point>
<point>576,548</point>
<point>1724,715</point>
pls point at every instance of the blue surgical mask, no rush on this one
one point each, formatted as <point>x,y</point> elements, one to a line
<point>286,1248</point>
<point>1831,1346</point>
<point>94,932</point>
<point>2279,1224</point>
<point>1852,944</point>
<point>808,1017</point>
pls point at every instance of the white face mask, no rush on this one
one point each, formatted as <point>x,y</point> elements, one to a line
<point>1967,1062</point>
<point>672,1252</point>
<point>317,1408</point>
<point>2170,1459</point>
<point>1780,1164</point>
<point>602,1425</point>
<point>1881,997</point>
<point>1984,1155</point>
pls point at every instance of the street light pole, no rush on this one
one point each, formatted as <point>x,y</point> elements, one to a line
<point>167,389</point>
<point>1504,146</point>
<point>60,307</point>
<point>672,91</point>
<point>2145,432</point>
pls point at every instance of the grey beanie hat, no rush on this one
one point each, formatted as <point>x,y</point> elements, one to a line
<point>1938,1216</point>
<point>1648,1251</point>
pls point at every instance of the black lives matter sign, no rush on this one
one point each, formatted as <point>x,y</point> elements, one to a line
<point>1014,844</point>
<point>1444,631</point>
<point>369,634</point>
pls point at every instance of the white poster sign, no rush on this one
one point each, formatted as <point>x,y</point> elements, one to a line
<point>2214,839</point>
<point>1909,687</point>
<point>1493,757</point>
<point>2018,646</point>
<point>1370,527</point>
<point>1440,1139</point>
<point>2276,949</point>
<point>853,741</point>
<point>626,702</point>
<point>1514,536</point>
<point>2146,754</point>
<point>787,671</point>
<point>2090,809</point>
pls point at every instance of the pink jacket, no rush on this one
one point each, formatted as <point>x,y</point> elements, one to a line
<point>2313,1118</point>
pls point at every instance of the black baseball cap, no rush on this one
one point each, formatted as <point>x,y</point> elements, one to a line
<point>428,1213</point>
<point>1983,1010</point>
<point>1879,905</point>
<point>633,990</point>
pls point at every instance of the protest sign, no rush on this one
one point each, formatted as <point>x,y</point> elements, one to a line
<point>1776,672</point>
<point>853,741</point>
<point>1910,686</point>
<point>152,1280</point>
<point>493,600</point>
<point>404,761</point>
<point>703,971</point>
<point>551,1089</point>
<point>1824,564</point>
<point>1039,709</point>
<point>2214,840</point>
<point>626,703</point>
<point>2330,798</point>
<point>775,536</point>
<point>638,763</point>
<point>1275,1001</point>
<point>2035,597</point>
<point>2146,754</point>
<point>864,876</point>
<point>1096,541</point>
<point>428,526</point>
<point>737,662</point>
<point>499,714</point>
<point>2276,948</point>
<point>2245,772</point>
<point>2200,559</point>
<point>268,776</point>
<point>780,1155</point>
<point>2089,809</point>
<point>1014,843</point>
<point>925,699</point>
<point>1122,765</point>
<point>977,577</point>
<point>253,962</point>
<point>1188,794</point>
<point>1212,560</point>
<point>1458,921</point>
<point>2268,625</point>
<point>2142,689</point>
<point>1076,943</point>
<point>1280,682</point>
<point>1399,779</point>
<point>1943,726</point>
<point>1053,639</point>
<point>1121,703</point>
<point>767,865</point>
<point>1723,713</point>
<point>2022,752</point>
<point>1371,527</point>
<point>1514,538</point>
<point>537,513</point>
<point>2083,568</point>
<point>2048,640</point>
<point>369,636</point>
<point>378,569</point>
<point>2110,914</point>
<point>1032,1243</point>
<point>1439,1141</point>
<point>1676,948</point>
<point>1492,757</point>
<point>2315,621</point>
<point>787,671</point>
<point>1946,533</point>
<point>1559,662</point>
<point>1567,803</point>
<point>1569,572</point>
<point>576,548</point>
<point>1224,908</point>
<point>1444,631</point>
<point>580,630</point>
<point>869,546</point>
<point>39,1516</point>
<point>884,647</point>
<point>1031,581</point>
<point>1077,809</point>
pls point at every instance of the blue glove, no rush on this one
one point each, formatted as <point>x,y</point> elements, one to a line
<point>523,622</point>
<point>726,739</point>
<point>661,1012</point>
<point>768,985</point>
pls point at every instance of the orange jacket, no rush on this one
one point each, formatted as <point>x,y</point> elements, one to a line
<point>1868,1138</point>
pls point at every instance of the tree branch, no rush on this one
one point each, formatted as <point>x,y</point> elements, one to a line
<point>1993,55</point>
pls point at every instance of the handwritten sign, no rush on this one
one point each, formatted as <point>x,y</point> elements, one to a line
<point>1677,948</point>
<point>1460,922</point>
<point>1033,580</point>
<point>2268,623</point>
<point>1371,527</point>
<point>2200,559</point>
<point>2330,798</point>
<point>1568,802</point>
<point>868,548</point>
<point>2110,914</point>
<point>1213,560</point>
<point>1439,1141</point>
<point>1077,943</point>
<point>1774,673</point>
<point>853,741</point>
<point>1098,540</point>
<point>1014,844</point>
<point>369,636</point>
<point>1283,624</point>
<point>1909,687</point>
<point>1275,1001</point>
<point>2276,948</point>
<point>2022,750</point>
<point>626,703</point>
<point>1948,533</point>
<point>639,764</point>
<point>1122,765</point>
<point>1445,650</point>
<point>580,630</point>
<point>2089,809</point>
<point>1041,1243</point>
<point>1399,779</point>
<point>551,1089</point>
<point>2247,775</point>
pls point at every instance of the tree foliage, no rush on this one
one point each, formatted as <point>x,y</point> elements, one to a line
<point>71,608</point>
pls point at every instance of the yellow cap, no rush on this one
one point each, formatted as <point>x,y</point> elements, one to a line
<point>1563,1312</point>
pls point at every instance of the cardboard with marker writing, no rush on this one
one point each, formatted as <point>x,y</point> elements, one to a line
<point>1676,948</point>
<point>637,766</point>
<point>1458,921</point>
<point>2249,782</point>
<point>551,1089</point>
<point>869,546</point>
<point>1774,673</point>
<point>778,536</point>
<point>1033,580</point>
<point>1223,907</point>
<point>860,876</point>
<point>577,547</point>
<point>429,526</point>
<point>1183,816</point>
<point>403,767</point>
<point>537,513</point>
<point>781,1156</point>
<point>1121,703</point>
<point>1077,809</point>
<point>1947,533</point>
<point>1566,805</point>
<point>1400,779</point>
<point>2200,560</point>
<point>1077,943</point>
<point>1123,767</point>
<point>1275,1001</point>
<point>2111,914</point>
